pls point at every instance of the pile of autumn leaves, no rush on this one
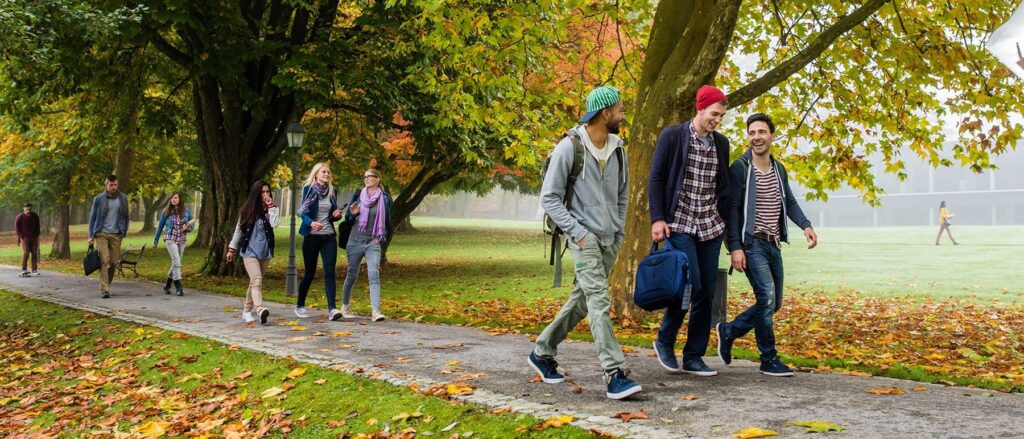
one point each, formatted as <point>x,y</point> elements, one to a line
<point>950,337</point>
<point>96,389</point>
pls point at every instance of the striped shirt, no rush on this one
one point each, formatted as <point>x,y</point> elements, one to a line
<point>768,207</point>
<point>697,209</point>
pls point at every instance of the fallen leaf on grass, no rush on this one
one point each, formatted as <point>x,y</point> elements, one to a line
<point>320,382</point>
<point>754,432</point>
<point>456,389</point>
<point>450,426</point>
<point>555,422</point>
<point>405,417</point>
<point>889,391</point>
<point>153,429</point>
<point>817,426</point>
<point>271,392</point>
<point>295,373</point>
<point>244,375</point>
<point>627,416</point>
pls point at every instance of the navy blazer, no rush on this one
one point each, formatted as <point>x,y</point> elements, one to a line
<point>668,169</point>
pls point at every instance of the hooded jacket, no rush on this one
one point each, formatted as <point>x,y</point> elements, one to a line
<point>744,203</point>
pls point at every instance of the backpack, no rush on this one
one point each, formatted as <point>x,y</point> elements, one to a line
<point>549,226</point>
<point>662,279</point>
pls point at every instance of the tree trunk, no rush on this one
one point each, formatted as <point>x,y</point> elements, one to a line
<point>61,248</point>
<point>204,236</point>
<point>422,184</point>
<point>684,52</point>
<point>152,207</point>
<point>405,225</point>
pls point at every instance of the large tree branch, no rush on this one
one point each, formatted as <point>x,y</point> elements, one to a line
<point>825,39</point>
<point>173,53</point>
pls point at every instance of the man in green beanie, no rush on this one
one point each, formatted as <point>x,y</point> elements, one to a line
<point>593,219</point>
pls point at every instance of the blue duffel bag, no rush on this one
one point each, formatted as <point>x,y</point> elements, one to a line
<point>662,279</point>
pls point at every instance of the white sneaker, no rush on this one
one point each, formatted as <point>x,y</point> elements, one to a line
<point>334,315</point>
<point>35,273</point>
<point>248,317</point>
<point>346,312</point>
<point>301,312</point>
<point>377,317</point>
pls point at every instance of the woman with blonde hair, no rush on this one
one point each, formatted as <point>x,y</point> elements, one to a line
<point>319,210</point>
<point>370,214</point>
<point>178,221</point>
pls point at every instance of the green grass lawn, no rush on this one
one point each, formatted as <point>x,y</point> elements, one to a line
<point>78,374</point>
<point>471,260</point>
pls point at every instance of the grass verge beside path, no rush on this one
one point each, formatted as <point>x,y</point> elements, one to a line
<point>842,307</point>
<point>72,373</point>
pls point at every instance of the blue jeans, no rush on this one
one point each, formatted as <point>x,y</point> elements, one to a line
<point>703,260</point>
<point>764,271</point>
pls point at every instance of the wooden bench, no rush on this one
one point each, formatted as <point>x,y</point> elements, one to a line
<point>129,259</point>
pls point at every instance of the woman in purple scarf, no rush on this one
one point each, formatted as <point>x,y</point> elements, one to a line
<point>370,210</point>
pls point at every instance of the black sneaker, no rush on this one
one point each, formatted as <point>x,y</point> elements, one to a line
<point>619,386</point>
<point>724,343</point>
<point>697,367</point>
<point>264,314</point>
<point>776,368</point>
<point>667,357</point>
<point>105,294</point>
<point>547,368</point>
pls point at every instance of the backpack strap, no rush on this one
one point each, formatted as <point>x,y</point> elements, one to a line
<point>557,248</point>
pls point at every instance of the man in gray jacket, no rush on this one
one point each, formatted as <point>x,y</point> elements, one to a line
<point>108,224</point>
<point>594,225</point>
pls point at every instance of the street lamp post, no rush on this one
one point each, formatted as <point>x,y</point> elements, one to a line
<point>295,135</point>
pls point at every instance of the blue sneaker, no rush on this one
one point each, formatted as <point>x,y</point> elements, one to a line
<point>667,357</point>
<point>724,343</point>
<point>697,367</point>
<point>547,368</point>
<point>776,368</point>
<point>619,386</point>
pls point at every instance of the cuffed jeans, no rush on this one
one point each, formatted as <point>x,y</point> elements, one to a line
<point>588,299</point>
<point>702,257</point>
<point>764,271</point>
<point>356,250</point>
<point>109,247</point>
<point>177,251</point>
<point>326,247</point>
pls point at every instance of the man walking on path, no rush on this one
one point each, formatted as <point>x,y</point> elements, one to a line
<point>26,226</point>
<point>108,224</point>
<point>593,215</point>
<point>687,194</point>
<point>761,202</point>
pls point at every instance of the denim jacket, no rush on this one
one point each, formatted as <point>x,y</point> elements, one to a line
<point>167,221</point>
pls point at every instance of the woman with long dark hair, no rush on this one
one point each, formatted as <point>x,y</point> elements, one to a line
<point>253,240</point>
<point>370,210</point>
<point>178,221</point>
<point>944,217</point>
<point>319,210</point>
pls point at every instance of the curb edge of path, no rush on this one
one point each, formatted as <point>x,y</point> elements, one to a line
<point>480,397</point>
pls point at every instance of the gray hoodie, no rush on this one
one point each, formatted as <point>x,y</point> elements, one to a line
<point>599,197</point>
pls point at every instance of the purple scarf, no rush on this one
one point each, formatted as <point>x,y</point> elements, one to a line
<point>317,191</point>
<point>366,201</point>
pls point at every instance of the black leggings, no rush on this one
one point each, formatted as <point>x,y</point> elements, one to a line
<point>326,246</point>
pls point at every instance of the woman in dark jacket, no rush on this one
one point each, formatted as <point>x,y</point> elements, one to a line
<point>319,210</point>
<point>253,240</point>
<point>370,212</point>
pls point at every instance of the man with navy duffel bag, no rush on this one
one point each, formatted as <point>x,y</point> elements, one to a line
<point>688,194</point>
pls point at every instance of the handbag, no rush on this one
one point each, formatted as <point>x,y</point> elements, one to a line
<point>344,230</point>
<point>662,279</point>
<point>91,262</point>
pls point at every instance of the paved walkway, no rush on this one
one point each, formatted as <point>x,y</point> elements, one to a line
<point>404,352</point>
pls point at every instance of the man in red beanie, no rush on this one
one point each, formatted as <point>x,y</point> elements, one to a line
<point>688,195</point>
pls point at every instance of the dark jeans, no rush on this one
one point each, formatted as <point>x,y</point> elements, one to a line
<point>703,260</point>
<point>764,271</point>
<point>326,246</point>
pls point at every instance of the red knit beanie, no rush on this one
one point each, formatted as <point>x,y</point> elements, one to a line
<point>707,96</point>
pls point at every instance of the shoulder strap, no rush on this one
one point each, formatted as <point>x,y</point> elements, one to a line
<point>577,166</point>
<point>746,169</point>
